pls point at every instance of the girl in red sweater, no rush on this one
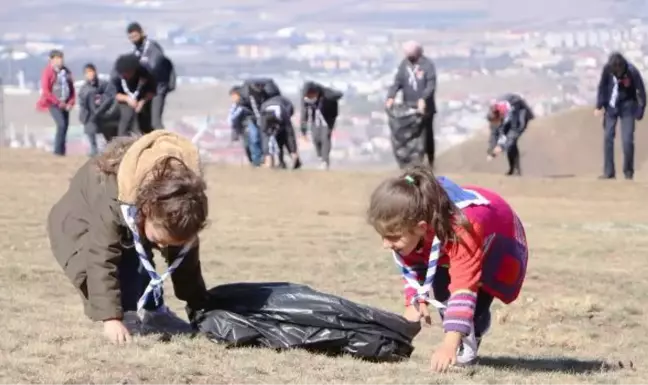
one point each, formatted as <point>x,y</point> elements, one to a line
<point>458,248</point>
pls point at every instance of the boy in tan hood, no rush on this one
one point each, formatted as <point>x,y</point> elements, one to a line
<point>140,194</point>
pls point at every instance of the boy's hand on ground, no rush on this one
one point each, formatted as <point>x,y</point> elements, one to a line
<point>116,332</point>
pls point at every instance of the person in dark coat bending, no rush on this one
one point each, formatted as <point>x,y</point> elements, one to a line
<point>319,112</point>
<point>135,87</point>
<point>275,122</point>
<point>621,96</point>
<point>416,78</point>
<point>508,117</point>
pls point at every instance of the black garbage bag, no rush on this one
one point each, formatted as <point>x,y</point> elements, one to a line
<point>283,315</point>
<point>406,135</point>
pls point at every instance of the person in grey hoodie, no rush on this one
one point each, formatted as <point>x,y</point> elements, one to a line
<point>98,108</point>
<point>417,79</point>
<point>153,58</point>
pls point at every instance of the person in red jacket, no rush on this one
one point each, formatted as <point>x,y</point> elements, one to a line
<point>57,97</point>
<point>458,248</point>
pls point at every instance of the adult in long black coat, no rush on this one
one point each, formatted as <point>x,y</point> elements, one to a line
<point>417,79</point>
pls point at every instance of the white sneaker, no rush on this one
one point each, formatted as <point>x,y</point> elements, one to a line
<point>324,165</point>
<point>468,351</point>
<point>163,320</point>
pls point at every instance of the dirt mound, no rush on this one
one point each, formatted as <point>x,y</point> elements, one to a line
<point>565,144</point>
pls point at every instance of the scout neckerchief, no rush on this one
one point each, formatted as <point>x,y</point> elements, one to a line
<point>412,70</point>
<point>615,92</point>
<point>272,143</point>
<point>129,212</point>
<point>62,77</point>
<point>314,112</point>
<point>462,198</point>
<point>141,53</point>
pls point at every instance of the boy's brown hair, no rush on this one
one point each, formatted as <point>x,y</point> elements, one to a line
<point>399,203</point>
<point>172,196</point>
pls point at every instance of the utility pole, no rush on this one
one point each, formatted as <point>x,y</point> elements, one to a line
<point>3,130</point>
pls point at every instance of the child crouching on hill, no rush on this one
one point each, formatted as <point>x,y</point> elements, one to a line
<point>458,248</point>
<point>140,194</point>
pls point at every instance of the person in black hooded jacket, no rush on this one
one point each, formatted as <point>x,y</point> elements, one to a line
<point>319,111</point>
<point>621,96</point>
<point>276,114</point>
<point>135,88</point>
<point>509,117</point>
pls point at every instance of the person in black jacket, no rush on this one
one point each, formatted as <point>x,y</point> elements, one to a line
<point>152,56</point>
<point>319,111</point>
<point>276,114</point>
<point>509,117</point>
<point>417,79</point>
<point>621,96</point>
<point>98,109</point>
<point>135,87</point>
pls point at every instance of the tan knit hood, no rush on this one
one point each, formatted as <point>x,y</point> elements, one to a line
<point>142,156</point>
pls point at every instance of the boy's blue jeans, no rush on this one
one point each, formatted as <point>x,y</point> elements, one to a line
<point>133,279</point>
<point>254,143</point>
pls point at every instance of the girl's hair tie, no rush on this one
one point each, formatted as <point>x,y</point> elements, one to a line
<point>409,179</point>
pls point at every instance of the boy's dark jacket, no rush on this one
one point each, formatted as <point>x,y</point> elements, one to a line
<point>89,111</point>
<point>88,237</point>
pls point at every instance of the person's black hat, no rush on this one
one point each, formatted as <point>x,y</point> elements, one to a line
<point>134,27</point>
<point>127,63</point>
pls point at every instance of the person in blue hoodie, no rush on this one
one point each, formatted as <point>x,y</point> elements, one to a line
<point>621,97</point>
<point>237,118</point>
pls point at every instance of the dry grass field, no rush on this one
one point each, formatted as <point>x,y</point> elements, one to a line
<point>581,318</point>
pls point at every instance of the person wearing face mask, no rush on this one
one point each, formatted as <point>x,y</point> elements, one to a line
<point>416,78</point>
<point>152,56</point>
<point>319,111</point>
<point>57,97</point>
<point>621,96</point>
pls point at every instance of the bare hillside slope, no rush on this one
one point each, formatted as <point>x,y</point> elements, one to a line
<point>565,144</point>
